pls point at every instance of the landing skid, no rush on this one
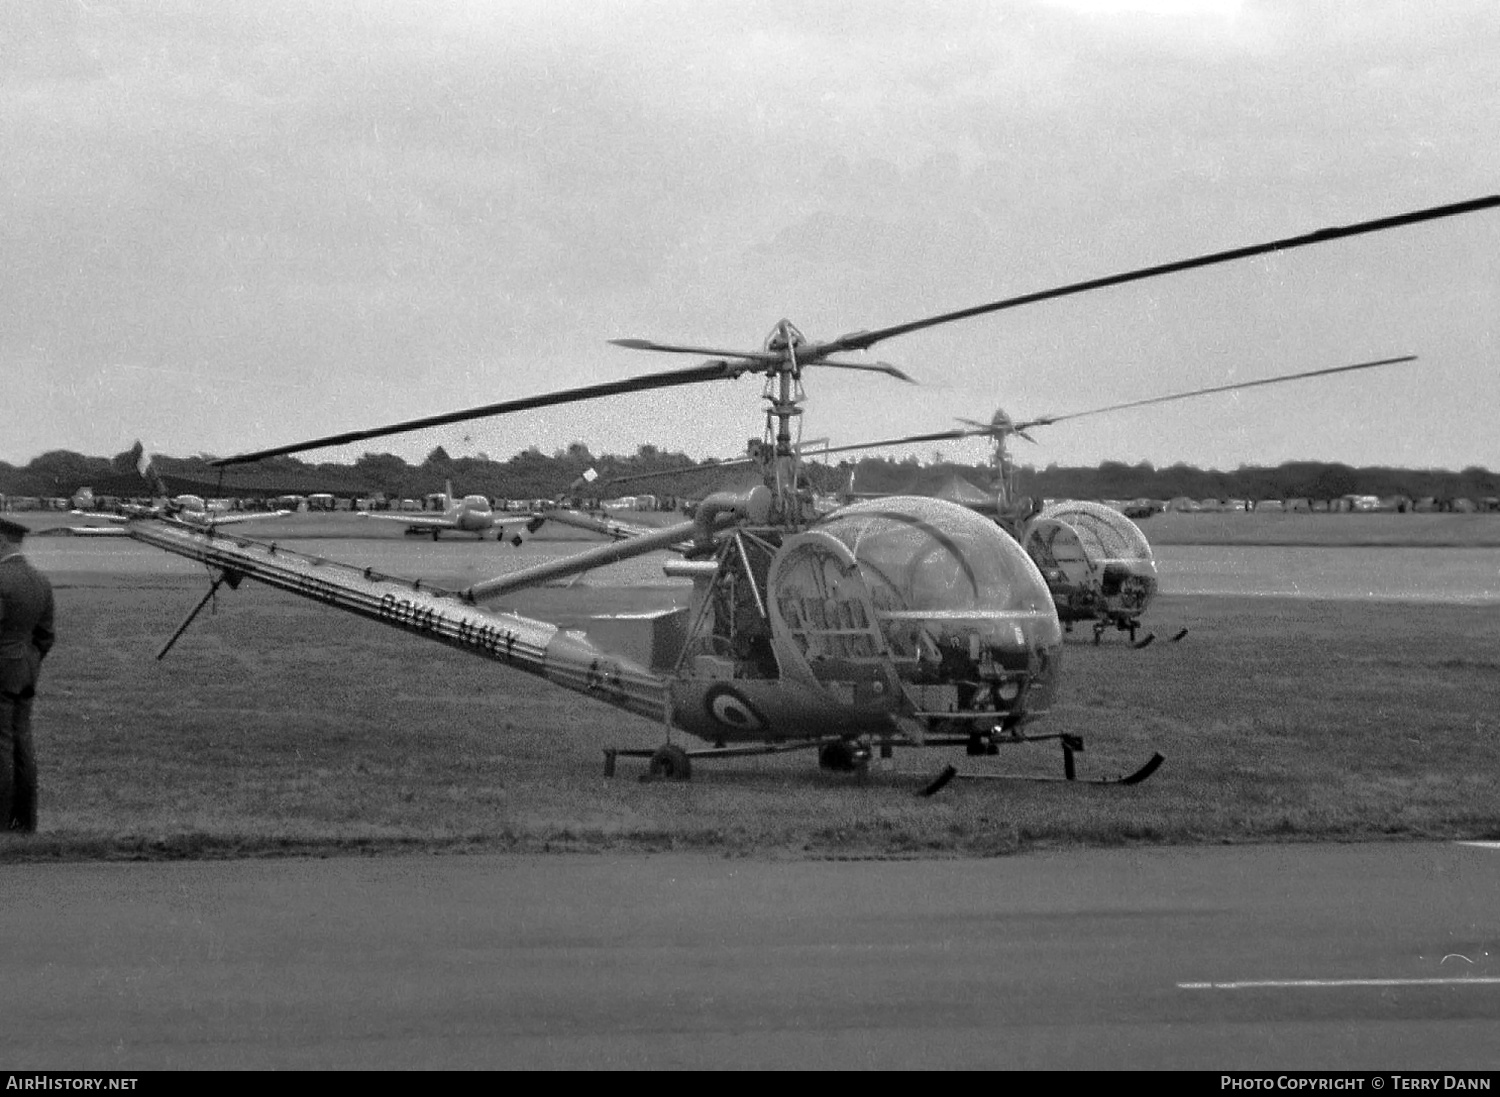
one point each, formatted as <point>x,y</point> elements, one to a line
<point>1128,625</point>
<point>1071,744</point>
<point>1145,641</point>
<point>671,762</point>
<point>1101,627</point>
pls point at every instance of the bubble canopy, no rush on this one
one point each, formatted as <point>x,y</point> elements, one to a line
<point>1106,534</point>
<point>933,558</point>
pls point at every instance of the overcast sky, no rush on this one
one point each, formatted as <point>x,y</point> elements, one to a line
<point>231,225</point>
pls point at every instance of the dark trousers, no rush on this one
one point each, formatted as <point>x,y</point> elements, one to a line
<point>17,764</point>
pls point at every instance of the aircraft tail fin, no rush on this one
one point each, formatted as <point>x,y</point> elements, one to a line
<point>147,469</point>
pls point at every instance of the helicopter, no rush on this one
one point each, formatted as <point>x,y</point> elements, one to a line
<point>1096,561</point>
<point>903,621</point>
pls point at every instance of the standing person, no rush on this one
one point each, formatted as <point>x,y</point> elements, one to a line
<point>25,638</point>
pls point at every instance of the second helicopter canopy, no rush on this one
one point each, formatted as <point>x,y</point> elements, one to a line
<point>1105,534</point>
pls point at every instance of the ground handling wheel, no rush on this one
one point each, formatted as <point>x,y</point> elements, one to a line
<point>980,744</point>
<point>844,756</point>
<point>669,763</point>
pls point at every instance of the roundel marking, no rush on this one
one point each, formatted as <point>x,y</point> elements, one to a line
<point>730,709</point>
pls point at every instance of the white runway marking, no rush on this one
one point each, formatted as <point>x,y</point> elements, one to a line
<point>1280,984</point>
<point>1482,845</point>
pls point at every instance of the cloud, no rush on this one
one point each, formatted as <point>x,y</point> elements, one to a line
<point>379,205</point>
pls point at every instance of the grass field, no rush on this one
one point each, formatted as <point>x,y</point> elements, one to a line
<point>1333,530</point>
<point>277,726</point>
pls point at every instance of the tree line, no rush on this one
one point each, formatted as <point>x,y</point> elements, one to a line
<point>532,474</point>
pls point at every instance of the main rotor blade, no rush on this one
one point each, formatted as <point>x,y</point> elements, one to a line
<point>1047,420</point>
<point>765,356</point>
<point>677,348</point>
<point>996,430</point>
<point>983,429</point>
<point>709,466</point>
<point>709,371</point>
<point>863,340</point>
<point>911,439</point>
<point>712,465</point>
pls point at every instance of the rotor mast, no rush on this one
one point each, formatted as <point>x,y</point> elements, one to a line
<point>785,394</point>
<point>1005,473</point>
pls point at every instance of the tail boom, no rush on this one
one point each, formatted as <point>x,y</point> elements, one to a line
<point>567,659</point>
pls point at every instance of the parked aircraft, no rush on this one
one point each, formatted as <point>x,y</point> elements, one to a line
<point>191,509</point>
<point>471,514</point>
